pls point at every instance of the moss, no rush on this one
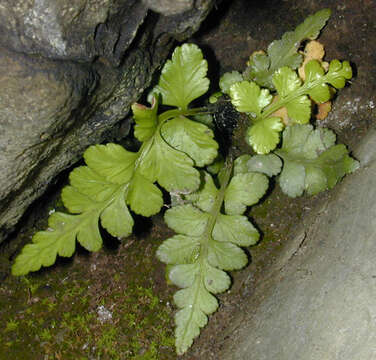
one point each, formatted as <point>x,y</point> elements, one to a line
<point>55,314</point>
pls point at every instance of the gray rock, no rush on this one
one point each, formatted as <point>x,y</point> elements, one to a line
<point>75,30</point>
<point>68,75</point>
<point>169,7</point>
<point>36,105</point>
<point>319,300</point>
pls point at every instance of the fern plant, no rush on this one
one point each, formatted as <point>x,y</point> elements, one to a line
<point>206,211</point>
<point>115,179</point>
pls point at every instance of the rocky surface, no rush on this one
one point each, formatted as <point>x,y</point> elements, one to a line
<point>319,300</point>
<point>168,7</point>
<point>68,74</point>
<point>71,30</point>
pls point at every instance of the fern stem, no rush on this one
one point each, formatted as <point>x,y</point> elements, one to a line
<point>216,208</point>
<point>177,112</point>
<point>303,90</point>
<point>206,238</point>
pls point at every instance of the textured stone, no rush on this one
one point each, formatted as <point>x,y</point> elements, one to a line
<point>74,30</point>
<point>321,303</point>
<point>169,7</point>
<point>36,105</point>
<point>36,99</point>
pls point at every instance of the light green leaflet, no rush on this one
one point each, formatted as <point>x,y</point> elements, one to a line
<point>192,138</point>
<point>284,52</point>
<point>183,77</point>
<point>264,133</point>
<point>312,161</point>
<point>146,120</point>
<point>93,195</point>
<point>248,97</point>
<point>116,180</point>
<point>228,79</point>
<point>207,243</point>
<point>269,165</point>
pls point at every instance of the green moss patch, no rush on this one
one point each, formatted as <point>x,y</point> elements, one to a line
<point>108,305</point>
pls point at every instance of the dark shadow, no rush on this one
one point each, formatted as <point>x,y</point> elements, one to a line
<point>248,253</point>
<point>213,67</point>
<point>110,243</point>
<point>36,216</point>
<point>215,17</point>
<point>226,120</point>
<point>142,226</point>
<point>354,68</point>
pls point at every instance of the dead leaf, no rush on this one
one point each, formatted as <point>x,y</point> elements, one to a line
<point>323,110</point>
<point>281,112</point>
<point>313,50</point>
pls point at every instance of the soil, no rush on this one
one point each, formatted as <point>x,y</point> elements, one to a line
<point>115,304</point>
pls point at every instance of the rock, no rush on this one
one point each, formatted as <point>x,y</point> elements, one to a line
<point>71,30</point>
<point>320,301</point>
<point>169,7</point>
<point>36,105</point>
<point>68,75</point>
